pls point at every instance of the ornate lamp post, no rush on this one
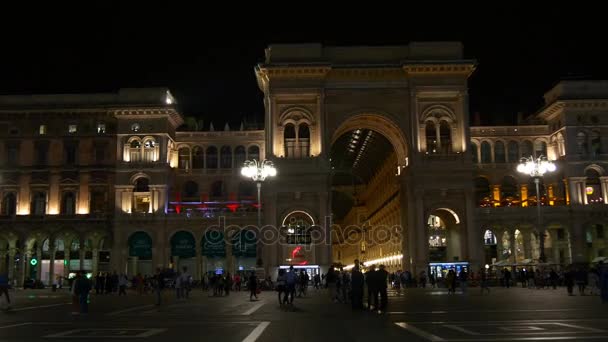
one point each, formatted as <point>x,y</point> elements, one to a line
<point>258,171</point>
<point>536,168</point>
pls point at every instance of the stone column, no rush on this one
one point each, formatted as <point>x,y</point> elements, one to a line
<point>38,266</point>
<point>527,237</point>
<point>578,243</point>
<point>3,255</point>
<point>422,255</point>
<point>576,190</point>
<point>604,182</point>
<point>499,249</point>
<point>567,190</point>
<point>523,189</point>
<point>95,261</point>
<point>197,271</point>
<point>405,225</point>
<point>11,263</point>
<point>495,194</point>
<point>83,197</point>
<point>474,234</point>
<point>52,250</point>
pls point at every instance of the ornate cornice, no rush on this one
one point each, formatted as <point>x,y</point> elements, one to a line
<point>264,73</point>
<point>439,68</point>
<point>549,111</point>
<point>160,112</point>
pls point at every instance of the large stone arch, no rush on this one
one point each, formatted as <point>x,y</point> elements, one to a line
<point>379,122</point>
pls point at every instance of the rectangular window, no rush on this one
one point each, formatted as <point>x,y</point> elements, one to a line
<point>98,199</point>
<point>72,129</point>
<point>599,231</point>
<point>42,152</point>
<point>100,154</point>
<point>71,153</point>
<point>12,154</point>
<point>42,130</point>
<point>101,128</point>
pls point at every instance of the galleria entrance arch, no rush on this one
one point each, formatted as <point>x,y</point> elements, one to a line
<point>415,97</point>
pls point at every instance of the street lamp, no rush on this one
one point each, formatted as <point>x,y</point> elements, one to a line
<point>536,168</point>
<point>258,171</point>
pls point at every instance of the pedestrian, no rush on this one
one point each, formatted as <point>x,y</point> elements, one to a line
<point>422,278</point>
<point>122,284</point>
<point>593,280</point>
<point>581,280</point>
<point>603,269</point>
<point>186,283</point>
<point>4,286</point>
<point>553,277</point>
<point>228,284</point>
<point>372,289</point>
<point>291,279</point>
<point>82,287</point>
<point>357,283</point>
<point>159,284</point>
<point>330,282</point>
<point>569,280</point>
<point>281,289</point>
<point>382,276</point>
<point>464,278</point>
<point>252,284</point>
<point>451,281</point>
<point>317,281</point>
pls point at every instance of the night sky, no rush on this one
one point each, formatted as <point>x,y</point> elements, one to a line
<point>206,56</point>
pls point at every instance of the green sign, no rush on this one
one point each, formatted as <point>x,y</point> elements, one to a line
<point>140,245</point>
<point>214,244</point>
<point>244,244</point>
<point>183,245</point>
<point>34,262</point>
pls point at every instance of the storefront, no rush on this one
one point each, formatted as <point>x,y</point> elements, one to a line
<point>140,255</point>
<point>183,251</point>
<point>244,250</point>
<point>214,251</point>
<point>441,269</point>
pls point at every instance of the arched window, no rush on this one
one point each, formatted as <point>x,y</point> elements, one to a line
<point>431,137</point>
<point>527,149</point>
<point>482,191</point>
<point>596,143</point>
<point>513,150</point>
<point>540,148</point>
<point>9,204</point>
<point>212,157</point>
<point>304,140</point>
<point>150,150</point>
<point>593,190</point>
<point>68,203</point>
<point>474,153</point>
<point>445,137</point>
<point>253,152</point>
<point>142,185</point>
<point>135,151</point>
<point>289,140</point>
<point>217,189</point>
<point>226,157</point>
<point>184,158</point>
<point>437,232</point>
<point>39,203</point>
<point>190,190</point>
<point>489,238</point>
<point>499,152</point>
<point>296,229</point>
<point>581,143</point>
<point>486,153</point>
<point>240,155</point>
<point>198,157</point>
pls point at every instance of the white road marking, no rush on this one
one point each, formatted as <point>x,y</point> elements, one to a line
<point>118,333</point>
<point>482,311</point>
<point>114,313</point>
<point>255,334</point>
<point>40,307</point>
<point>253,309</point>
<point>15,325</point>
<point>419,332</point>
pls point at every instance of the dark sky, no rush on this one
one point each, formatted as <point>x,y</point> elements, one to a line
<point>206,56</point>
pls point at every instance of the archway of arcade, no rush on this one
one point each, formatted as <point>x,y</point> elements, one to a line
<point>365,200</point>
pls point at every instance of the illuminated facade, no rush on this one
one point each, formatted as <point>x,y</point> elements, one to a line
<point>108,182</point>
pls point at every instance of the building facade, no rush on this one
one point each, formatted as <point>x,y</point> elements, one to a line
<point>117,182</point>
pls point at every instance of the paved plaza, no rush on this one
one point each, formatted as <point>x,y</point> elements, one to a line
<point>414,315</point>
